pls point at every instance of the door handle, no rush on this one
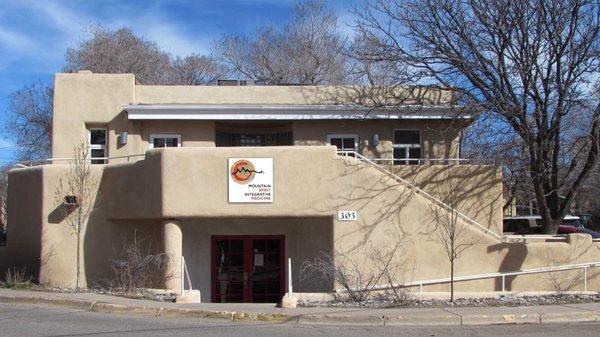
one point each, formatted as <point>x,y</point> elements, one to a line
<point>245,280</point>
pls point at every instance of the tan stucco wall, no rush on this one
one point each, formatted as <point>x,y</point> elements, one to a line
<point>311,185</point>
<point>439,139</point>
<point>478,188</point>
<point>289,95</point>
<point>83,100</point>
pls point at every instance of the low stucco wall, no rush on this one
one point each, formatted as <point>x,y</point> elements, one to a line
<point>310,184</point>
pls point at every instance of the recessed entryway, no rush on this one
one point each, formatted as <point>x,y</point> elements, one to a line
<point>247,268</point>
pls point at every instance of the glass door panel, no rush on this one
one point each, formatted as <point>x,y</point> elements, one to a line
<point>248,269</point>
<point>229,270</point>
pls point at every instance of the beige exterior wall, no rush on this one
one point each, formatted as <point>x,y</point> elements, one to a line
<point>477,188</point>
<point>311,185</point>
<point>84,100</point>
<point>439,139</point>
<point>289,95</point>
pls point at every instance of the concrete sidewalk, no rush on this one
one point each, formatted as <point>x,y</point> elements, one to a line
<point>269,313</point>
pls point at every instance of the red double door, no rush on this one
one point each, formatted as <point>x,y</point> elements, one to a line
<point>247,268</point>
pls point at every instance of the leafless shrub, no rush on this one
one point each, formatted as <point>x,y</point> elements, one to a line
<point>563,281</point>
<point>16,278</point>
<point>383,279</point>
<point>394,271</point>
<point>138,266</point>
<point>344,271</point>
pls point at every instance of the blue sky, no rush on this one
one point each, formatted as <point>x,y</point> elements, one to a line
<point>34,35</point>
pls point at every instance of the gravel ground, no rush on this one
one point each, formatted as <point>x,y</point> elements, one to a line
<point>377,301</point>
<point>141,294</point>
<point>508,301</point>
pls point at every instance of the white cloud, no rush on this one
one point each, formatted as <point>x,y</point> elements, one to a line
<point>6,144</point>
<point>176,42</point>
<point>155,26</point>
<point>61,17</point>
<point>14,41</point>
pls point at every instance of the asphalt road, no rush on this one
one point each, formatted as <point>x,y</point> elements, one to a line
<point>40,320</point>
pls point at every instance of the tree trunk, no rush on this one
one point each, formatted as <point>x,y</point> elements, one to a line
<point>452,280</point>
<point>77,282</point>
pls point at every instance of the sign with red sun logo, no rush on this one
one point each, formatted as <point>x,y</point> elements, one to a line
<point>250,180</point>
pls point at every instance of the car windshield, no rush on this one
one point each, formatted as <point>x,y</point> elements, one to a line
<point>513,225</point>
<point>572,222</point>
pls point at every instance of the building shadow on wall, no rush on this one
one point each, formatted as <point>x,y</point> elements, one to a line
<point>513,260</point>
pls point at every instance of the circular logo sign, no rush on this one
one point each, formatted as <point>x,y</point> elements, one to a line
<point>242,171</point>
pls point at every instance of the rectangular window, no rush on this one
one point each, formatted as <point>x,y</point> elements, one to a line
<point>165,140</point>
<point>343,142</point>
<point>97,145</point>
<point>407,145</point>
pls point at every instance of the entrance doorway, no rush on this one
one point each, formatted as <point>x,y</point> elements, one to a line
<point>247,268</point>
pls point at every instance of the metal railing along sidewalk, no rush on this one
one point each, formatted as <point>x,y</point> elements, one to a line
<point>502,275</point>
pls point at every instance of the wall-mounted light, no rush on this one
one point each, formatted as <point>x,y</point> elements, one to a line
<point>122,138</point>
<point>72,200</point>
<point>375,139</point>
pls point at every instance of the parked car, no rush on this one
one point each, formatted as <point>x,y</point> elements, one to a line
<point>585,219</point>
<point>515,223</point>
<point>562,229</point>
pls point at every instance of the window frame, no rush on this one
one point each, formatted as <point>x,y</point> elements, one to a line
<point>407,160</point>
<point>92,147</point>
<point>163,135</point>
<point>342,136</point>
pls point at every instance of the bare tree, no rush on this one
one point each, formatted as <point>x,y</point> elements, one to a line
<point>120,52</point>
<point>195,70</point>
<point>3,202</point>
<point>79,185</point>
<point>29,121</point>
<point>492,140</point>
<point>447,229</point>
<point>309,50</point>
<point>123,52</point>
<point>530,64</point>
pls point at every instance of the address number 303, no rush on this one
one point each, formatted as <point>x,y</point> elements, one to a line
<point>347,216</point>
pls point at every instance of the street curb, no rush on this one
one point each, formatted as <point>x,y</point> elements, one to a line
<point>450,318</point>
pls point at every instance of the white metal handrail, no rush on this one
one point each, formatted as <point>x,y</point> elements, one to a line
<point>184,276</point>
<point>422,192</point>
<point>502,275</point>
<point>421,161</point>
<point>30,163</point>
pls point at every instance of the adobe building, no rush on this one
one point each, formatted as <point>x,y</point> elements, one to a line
<point>239,179</point>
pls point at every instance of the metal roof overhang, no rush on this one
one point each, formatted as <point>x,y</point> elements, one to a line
<point>289,112</point>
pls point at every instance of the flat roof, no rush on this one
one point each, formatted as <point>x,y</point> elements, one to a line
<point>290,112</point>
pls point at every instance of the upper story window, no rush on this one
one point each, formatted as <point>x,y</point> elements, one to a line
<point>165,140</point>
<point>97,143</point>
<point>343,142</point>
<point>407,145</point>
